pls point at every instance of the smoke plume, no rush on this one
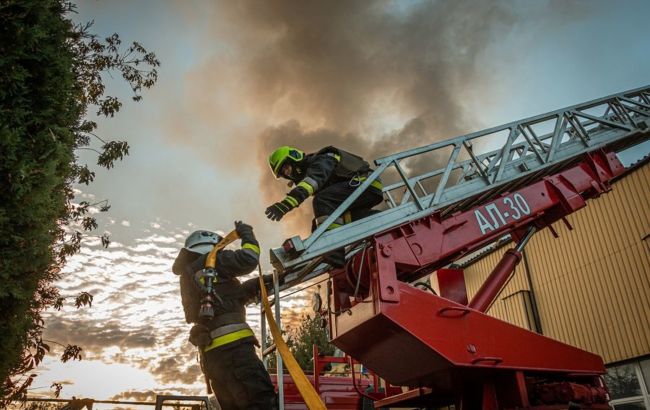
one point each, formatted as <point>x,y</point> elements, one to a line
<point>373,78</point>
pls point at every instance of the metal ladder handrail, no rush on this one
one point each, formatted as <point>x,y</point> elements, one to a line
<point>523,155</point>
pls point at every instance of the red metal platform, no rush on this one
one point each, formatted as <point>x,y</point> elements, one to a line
<point>338,393</point>
<point>460,355</point>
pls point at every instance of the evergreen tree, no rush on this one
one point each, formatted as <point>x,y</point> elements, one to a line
<point>272,358</point>
<point>50,76</point>
<point>301,342</point>
<point>310,333</point>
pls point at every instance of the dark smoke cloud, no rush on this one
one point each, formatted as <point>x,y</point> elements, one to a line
<point>334,73</point>
<point>372,77</point>
<point>333,63</point>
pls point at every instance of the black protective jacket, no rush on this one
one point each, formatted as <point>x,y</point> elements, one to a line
<point>326,167</point>
<point>232,295</point>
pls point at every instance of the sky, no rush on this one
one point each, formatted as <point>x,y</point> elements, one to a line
<point>238,79</point>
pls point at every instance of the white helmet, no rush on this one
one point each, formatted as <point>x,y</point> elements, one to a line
<point>202,241</point>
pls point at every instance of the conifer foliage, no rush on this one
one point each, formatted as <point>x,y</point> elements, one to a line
<point>301,341</point>
<point>310,333</point>
<point>50,79</point>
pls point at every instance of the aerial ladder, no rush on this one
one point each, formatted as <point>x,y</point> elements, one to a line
<point>444,201</point>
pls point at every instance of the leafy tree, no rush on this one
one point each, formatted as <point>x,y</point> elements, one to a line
<point>51,75</point>
<point>310,333</point>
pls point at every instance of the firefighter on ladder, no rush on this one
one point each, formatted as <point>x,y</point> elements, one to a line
<point>225,340</point>
<point>330,175</point>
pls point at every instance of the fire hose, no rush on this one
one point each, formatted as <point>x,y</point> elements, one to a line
<point>306,389</point>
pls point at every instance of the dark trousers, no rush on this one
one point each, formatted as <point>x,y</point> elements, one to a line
<point>329,198</point>
<point>239,379</point>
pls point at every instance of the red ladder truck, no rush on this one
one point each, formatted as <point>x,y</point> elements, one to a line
<point>444,348</point>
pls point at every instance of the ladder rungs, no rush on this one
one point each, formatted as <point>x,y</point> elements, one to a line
<point>532,148</point>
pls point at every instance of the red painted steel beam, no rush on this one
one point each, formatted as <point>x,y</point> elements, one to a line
<point>443,344</point>
<point>497,279</point>
<point>416,248</point>
<point>451,283</point>
<point>499,275</point>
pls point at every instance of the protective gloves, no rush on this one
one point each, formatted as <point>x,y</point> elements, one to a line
<point>276,211</point>
<point>244,230</point>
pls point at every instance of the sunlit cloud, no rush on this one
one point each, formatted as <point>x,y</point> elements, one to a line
<point>94,378</point>
<point>136,321</point>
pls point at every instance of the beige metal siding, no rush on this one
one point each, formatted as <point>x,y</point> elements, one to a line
<point>592,284</point>
<point>515,308</point>
<point>503,308</point>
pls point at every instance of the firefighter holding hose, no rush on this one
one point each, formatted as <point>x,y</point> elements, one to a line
<point>214,302</point>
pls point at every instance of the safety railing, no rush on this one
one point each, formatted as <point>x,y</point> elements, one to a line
<point>460,172</point>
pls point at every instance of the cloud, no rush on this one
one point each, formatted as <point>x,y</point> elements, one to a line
<point>95,336</point>
<point>178,369</point>
<point>340,65</point>
<point>150,395</point>
<point>147,395</point>
<point>373,78</point>
<point>137,317</point>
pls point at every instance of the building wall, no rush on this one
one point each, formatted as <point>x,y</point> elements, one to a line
<point>592,284</point>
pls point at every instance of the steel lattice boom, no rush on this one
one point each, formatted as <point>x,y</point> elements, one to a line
<point>474,172</point>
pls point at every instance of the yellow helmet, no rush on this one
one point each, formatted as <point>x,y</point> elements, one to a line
<point>281,155</point>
